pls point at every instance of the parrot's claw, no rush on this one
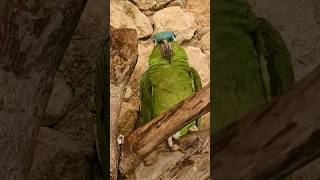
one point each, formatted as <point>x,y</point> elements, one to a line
<point>193,128</point>
<point>176,136</point>
<point>173,147</point>
<point>170,142</point>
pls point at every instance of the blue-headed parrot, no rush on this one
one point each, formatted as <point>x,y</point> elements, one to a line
<point>168,80</point>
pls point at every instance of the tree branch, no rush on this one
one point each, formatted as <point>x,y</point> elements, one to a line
<point>124,56</point>
<point>269,143</point>
<point>145,139</point>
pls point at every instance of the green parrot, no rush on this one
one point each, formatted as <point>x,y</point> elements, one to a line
<point>251,62</point>
<point>168,80</point>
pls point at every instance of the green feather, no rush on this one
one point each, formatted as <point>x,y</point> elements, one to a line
<point>252,62</point>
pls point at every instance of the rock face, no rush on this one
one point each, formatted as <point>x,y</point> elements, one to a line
<point>66,149</point>
<point>182,23</point>
<point>200,62</point>
<point>60,97</point>
<point>57,157</point>
<point>201,10</point>
<point>125,14</point>
<point>150,4</point>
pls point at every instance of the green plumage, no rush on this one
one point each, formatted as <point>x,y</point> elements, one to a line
<point>165,84</point>
<point>252,63</point>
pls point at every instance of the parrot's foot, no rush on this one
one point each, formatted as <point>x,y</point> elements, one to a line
<point>170,142</point>
<point>174,147</point>
<point>176,136</point>
<point>193,128</point>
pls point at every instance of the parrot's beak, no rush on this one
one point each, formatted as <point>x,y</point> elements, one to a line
<point>166,49</point>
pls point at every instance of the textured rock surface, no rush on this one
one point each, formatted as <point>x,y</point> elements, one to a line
<point>182,23</point>
<point>126,14</point>
<point>128,118</point>
<point>58,157</point>
<point>201,10</point>
<point>74,146</point>
<point>150,4</point>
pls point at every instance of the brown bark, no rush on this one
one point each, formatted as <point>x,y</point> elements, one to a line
<point>33,38</point>
<point>190,162</point>
<point>145,139</point>
<point>268,144</point>
<point>124,56</point>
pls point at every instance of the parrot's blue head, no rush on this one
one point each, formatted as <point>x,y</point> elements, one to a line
<point>164,39</point>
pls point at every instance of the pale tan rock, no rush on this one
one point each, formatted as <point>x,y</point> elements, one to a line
<point>150,4</point>
<point>182,23</point>
<point>198,60</point>
<point>201,10</point>
<point>124,14</point>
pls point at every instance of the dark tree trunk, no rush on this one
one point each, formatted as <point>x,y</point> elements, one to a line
<point>33,38</point>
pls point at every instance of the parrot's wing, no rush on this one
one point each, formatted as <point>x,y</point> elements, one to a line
<point>196,80</point>
<point>146,98</point>
<point>272,48</point>
<point>102,89</point>
<point>196,84</point>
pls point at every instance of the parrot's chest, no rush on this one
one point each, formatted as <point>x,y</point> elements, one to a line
<point>170,85</point>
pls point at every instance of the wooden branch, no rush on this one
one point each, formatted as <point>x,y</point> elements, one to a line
<point>145,139</point>
<point>33,38</point>
<point>268,144</point>
<point>124,56</point>
<point>191,161</point>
